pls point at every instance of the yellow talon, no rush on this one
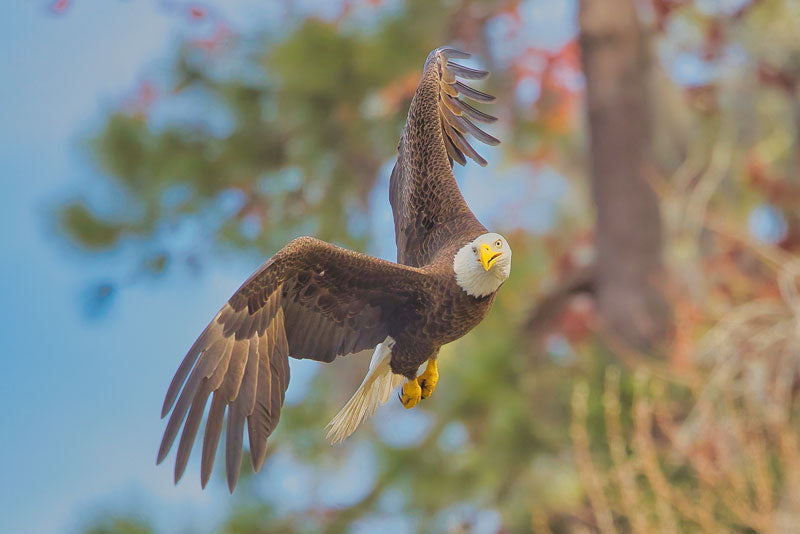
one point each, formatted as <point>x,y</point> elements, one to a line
<point>411,394</point>
<point>428,379</point>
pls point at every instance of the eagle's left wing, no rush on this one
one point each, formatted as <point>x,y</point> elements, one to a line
<point>428,206</point>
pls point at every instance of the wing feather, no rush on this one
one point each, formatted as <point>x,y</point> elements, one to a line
<point>465,126</point>
<point>186,366</point>
<point>277,391</point>
<point>190,428</point>
<point>249,388</point>
<point>248,327</point>
<point>465,72</point>
<point>473,94</point>
<point>233,445</point>
<point>217,377</point>
<point>216,416</point>
<point>461,143</point>
<point>453,53</point>
<point>454,153</point>
<point>456,113</point>
<point>258,423</point>
<point>205,367</point>
<point>457,105</point>
<point>235,372</point>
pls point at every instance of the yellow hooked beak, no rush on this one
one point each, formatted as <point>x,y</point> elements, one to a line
<point>488,256</point>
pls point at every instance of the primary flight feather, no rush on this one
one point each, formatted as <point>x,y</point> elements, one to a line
<point>315,300</point>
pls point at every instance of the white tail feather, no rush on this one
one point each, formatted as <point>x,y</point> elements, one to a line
<point>376,389</point>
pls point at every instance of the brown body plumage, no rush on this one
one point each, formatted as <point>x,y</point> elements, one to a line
<point>315,300</point>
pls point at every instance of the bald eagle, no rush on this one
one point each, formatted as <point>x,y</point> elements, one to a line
<point>315,300</point>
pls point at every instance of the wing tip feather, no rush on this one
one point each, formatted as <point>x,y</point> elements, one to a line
<point>454,53</point>
<point>163,451</point>
<point>456,113</point>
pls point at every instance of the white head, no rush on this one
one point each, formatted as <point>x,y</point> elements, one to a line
<point>483,265</point>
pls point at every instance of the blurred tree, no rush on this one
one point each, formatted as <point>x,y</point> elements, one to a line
<point>616,63</point>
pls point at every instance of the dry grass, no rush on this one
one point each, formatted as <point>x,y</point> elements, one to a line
<point>718,455</point>
<point>708,441</point>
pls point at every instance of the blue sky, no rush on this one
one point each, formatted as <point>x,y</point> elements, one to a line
<point>81,398</point>
<point>81,419</point>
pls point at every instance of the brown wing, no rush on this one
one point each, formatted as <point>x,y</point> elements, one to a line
<point>310,300</point>
<point>427,204</point>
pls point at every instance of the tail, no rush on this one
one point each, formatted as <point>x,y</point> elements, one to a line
<point>374,390</point>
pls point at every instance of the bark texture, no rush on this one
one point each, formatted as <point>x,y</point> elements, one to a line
<point>628,230</point>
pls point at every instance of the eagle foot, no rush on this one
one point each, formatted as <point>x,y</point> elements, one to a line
<point>411,394</point>
<point>428,379</point>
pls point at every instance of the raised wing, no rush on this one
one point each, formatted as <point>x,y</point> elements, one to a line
<point>310,300</point>
<point>428,207</point>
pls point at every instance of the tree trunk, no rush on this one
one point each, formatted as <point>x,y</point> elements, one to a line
<point>628,229</point>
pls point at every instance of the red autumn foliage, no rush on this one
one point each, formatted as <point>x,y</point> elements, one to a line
<point>662,9</point>
<point>142,100</point>
<point>714,43</point>
<point>197,12</point>
<point>777,77</point>
<point>59,6</point>
<point>215,41</point>
<point>558,98</point>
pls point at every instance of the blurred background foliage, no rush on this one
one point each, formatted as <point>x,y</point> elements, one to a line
<point>549,417</point>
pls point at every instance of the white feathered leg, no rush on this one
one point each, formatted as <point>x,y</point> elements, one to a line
<point>376,389</point>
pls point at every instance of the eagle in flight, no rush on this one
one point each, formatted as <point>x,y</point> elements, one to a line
<point>315,300</point>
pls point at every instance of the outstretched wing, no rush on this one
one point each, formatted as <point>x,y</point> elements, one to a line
<point>427,204</point>
<point>310,300</point>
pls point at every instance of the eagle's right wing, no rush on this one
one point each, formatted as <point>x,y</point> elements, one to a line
<point>310,300</point>
<point>427,204</point>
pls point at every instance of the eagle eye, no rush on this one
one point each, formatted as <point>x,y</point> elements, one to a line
<point>498,243</point>
<point>475,249</point>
